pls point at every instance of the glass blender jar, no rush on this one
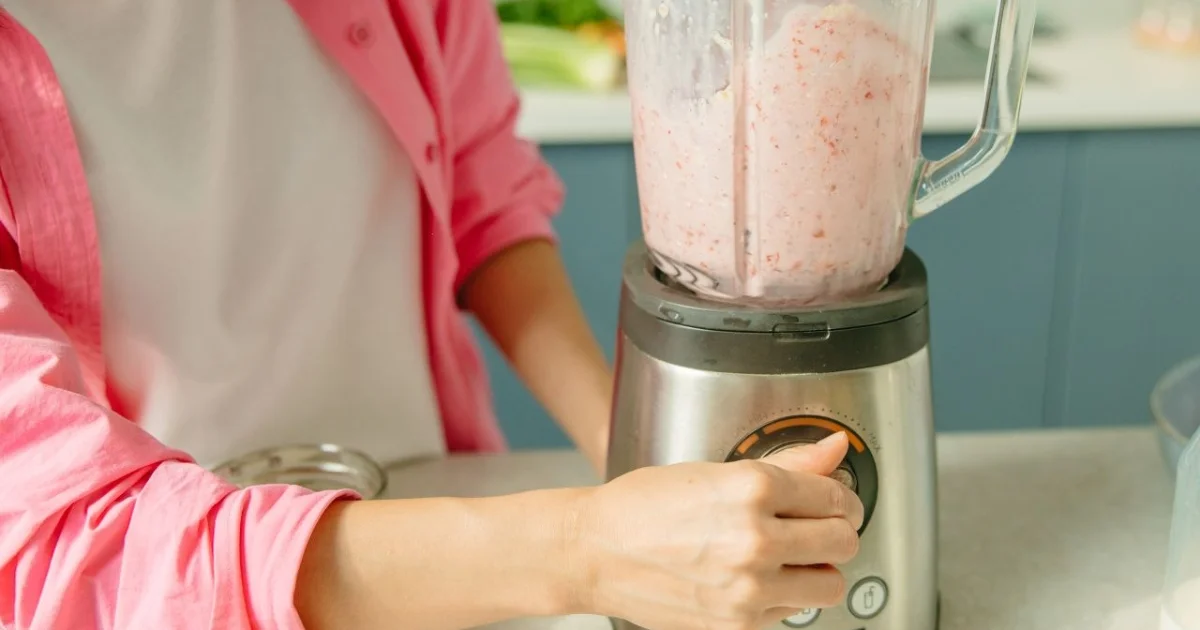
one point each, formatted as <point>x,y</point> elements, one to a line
<point>1181,592</point>
<point>777,142</point>
<point>1176,406</point>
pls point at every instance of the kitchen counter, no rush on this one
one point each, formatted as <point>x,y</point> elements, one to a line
<point>1095,81</point>
<point>1040,530</point>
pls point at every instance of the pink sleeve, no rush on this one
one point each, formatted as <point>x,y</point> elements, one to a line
<point>504,192</point>
<point>101,526</point>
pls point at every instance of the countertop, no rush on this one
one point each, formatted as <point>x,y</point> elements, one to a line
<point>1096,80</point>
<point>1040,530</point>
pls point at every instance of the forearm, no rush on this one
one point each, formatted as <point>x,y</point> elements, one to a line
<point>524,300</point>
<point>102,526</point>
<point>440,563</point>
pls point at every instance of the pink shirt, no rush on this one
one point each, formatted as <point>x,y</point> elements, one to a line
<point>101,526</point>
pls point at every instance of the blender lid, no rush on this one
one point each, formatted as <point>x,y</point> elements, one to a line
<point>905,292</point>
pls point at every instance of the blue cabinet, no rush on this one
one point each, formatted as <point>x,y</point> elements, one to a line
<point>1128,297</point>
<point>991,256</point>
<point>1061,287</point>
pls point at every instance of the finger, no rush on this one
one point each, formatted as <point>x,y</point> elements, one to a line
<point>795,588</point>
<point>821,458</point>
<point>806,542</point>
<point>810,496</point>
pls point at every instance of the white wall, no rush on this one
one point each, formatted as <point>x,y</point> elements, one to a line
<point>1086,14</point>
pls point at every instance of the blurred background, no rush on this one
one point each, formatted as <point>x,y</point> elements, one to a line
<point>1062,287</point>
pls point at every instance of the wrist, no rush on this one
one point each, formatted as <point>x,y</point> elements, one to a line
<point>548,569</point>
<point>586,416</point>
<point>578,557</point>
<point>593,441</point>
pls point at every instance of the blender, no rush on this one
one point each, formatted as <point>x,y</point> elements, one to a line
<point>773,301</point>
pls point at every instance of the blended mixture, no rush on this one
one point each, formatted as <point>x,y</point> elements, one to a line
<point>827,138</point>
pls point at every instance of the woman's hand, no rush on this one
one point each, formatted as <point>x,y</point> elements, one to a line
<point>720,546</point>
<point>716,546</point>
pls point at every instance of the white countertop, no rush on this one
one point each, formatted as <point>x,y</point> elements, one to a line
<point>1096,81</point>
<point>1040,530</point>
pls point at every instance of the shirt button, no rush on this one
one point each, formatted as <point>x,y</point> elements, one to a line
<point>360,34</point>
<point>431,152</point>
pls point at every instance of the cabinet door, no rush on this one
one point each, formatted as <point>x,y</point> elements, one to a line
<point>593,234</point>
<point>1130,277</point>
<point>991,259</point>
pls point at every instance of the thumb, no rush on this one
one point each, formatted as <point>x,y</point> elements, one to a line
<point>821,458</point>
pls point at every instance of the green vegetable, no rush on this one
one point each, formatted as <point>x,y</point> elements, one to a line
<point>560,13</point>
<point>544,56</point>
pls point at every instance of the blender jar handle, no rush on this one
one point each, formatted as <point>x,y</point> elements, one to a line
<point>1008,62</point>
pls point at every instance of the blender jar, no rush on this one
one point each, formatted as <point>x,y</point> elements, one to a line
<point>1181,595</point>
<point>777,142</point>
<point>1176,406</point>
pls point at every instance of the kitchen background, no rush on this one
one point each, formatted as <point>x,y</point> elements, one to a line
<point>1062,287</point>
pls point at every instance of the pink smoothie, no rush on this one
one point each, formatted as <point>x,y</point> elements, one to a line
<point>828,141</point>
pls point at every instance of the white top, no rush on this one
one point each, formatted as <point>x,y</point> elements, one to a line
<point>259,229</point>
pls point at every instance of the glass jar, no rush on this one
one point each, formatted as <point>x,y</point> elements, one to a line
<point>1176,405</point>
<point>777,142</point>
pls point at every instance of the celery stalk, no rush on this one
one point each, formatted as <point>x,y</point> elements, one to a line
<point>542,56</point>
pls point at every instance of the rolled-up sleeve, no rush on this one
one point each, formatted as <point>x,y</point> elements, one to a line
<point>101,526</point>
<point>504,192</point>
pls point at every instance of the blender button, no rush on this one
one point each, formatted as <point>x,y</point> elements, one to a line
<point>868,598</point>
<point>803,619</point>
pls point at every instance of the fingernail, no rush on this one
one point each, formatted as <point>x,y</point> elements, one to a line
<point>836,437</point>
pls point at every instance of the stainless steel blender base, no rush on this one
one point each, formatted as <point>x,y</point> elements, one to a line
<point>698,381</point>
<point>620,624</point>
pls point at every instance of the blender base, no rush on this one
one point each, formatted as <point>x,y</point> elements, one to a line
<point>620,624</point>
<point>698,380</point>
